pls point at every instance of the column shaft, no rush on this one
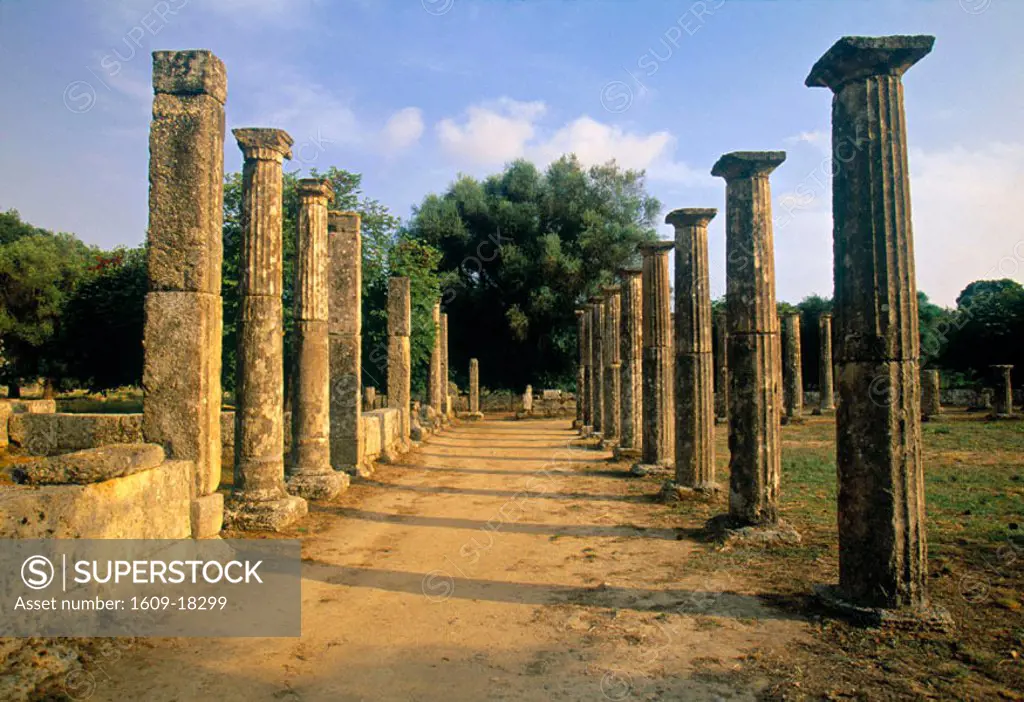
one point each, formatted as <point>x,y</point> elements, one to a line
<point>434,384</point>
<point>931,389</point>
<point>588,370</point>
<point>1003,405</point>
<point>474,387</point>
<point>792,370</point>
<point>826,385</point>
<point>658,427</point>
<point>612,365</point>
<point>446,398</point>
<point>580,372</point>
<point>346,339</point>
<point>597,361</point>
<point>399,352</point>
<point>721,367</point>
<point>630,356</point>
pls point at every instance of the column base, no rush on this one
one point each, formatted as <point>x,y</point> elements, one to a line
<point>927,618</point>
<point>265,515</point>
<point>641,469</point>
<point>586,430</point>
<point>607,444</point>
<point>318,486</point>
<point>363,469</point>
<point>475,416</point>
<point>671,491</point>
<point>621,453</point>
<point>207,516</point>
<point>726,530</point>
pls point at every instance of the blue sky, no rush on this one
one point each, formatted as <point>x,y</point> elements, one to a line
<point>412,93</point>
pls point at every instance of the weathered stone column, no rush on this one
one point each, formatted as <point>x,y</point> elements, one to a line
<point>631,339</point>
<point>434,387</point>
<point>931,394</point>
<point>311,475</point>
<point>446,398</point>
<point>474,389</point>
<point>259,499</point>
<point>721,368</point>
<point>882,552</point>
<point>588,372</point>
<point>659,424</point>
<point>1003,405</point>
<point>694,371</point>
<point>581,381</point>
<point>346,337</point>
<point>597,362</point>
<point>792,370</point>
<point>399,354</point>
<point>612,366</point>
<point>184,324</point>
<point>826,386</point>
<point>755,356</point>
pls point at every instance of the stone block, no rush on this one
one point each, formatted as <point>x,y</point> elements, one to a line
<point>90,465</point>
<point>191,72</point>
<point>50,434</point>
<point>346,437</point>
<point>5,414</point>
<point>399,307</point>
<point>207,515</point>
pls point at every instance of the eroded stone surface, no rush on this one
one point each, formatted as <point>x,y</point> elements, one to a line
<point>612,366</point>
<point>90,465</point>
<point>597,362</point>
<point>399,353</point>
<point>826,383</point>
<point>474,389</point>
<point>658,446</point>
<point>631,372</point>
<point>792,370</point>
<point>931,393</point>
<point>1003,399</point>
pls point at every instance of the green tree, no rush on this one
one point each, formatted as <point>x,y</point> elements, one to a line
<point>986,328</point>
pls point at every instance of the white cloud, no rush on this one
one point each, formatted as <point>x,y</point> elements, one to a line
<point>402,130</point>
<point>817,138</point>
<point>491,134</point>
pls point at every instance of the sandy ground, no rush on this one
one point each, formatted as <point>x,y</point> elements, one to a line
<point>492,563</point>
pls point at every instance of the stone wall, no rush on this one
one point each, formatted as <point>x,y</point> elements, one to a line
<point>9,408</point>
<point>60,432</point>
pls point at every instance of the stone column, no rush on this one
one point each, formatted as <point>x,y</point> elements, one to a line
<point>311,475</point>
<point>721,368</point>
<point>755,356</point>
<point>369,398</point>
<point>346,337</point>
<point>597,362</point>
<point>581,381</point>
<point>630,356</point>
<point>792,371</point>
<point>446,398</point>
<point>931,394</point>
<point>694,372</point>
<point>259,500</point>
<point>399,354</point>
<point>434,381</point>
<point>826,386</point>
<point>474,389</point>
<point>612,366</point>
<point>183,320</point>
<point>588,372</point>
<point>659,426</point>
<point>882,552</point>
<point>1003,405</point>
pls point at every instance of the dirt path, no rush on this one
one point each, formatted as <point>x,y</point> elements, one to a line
<point>492,563</point>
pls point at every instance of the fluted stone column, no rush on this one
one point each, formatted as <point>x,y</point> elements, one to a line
<point>882,551</point>
<point>826,386</point>
<point>581,381</point>
<point>588,372</point>
<point>694,372</point>
<point>446,398</point>
<point>259,499</point>
<point>658,415</point>
<point>434,386</point>
<point>755,356</point>
<point>721,368</point>
<point>311,474</point>
<point>474,389</point>
<point>630,356</point>
<point>792,371</point>
<point>612,365</point>
<point>597,362</point>
<point>346,338</point>
<point>183,320</point>
<point>931,394</point>
<point>399,354</point>
<point>1003,404</point>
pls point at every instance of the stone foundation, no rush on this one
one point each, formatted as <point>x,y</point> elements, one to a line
<point>52,434</point>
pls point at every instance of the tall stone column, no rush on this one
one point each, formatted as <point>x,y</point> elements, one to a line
<point>399,354</point>
<point>612,365</point>
<point>259,499</point>
<point>630,356</point>
<point>792,371</point>
<point>1003,405</point>
<point>588,371</point>
<point>184,324</point>
<point>721,368</point>
<point>882,552</point>
<point>931,394</point>
<point>446,398</point>
<point>434,381</point>
<point>474,389</point>
<point>597,361</point>
<point>581,381</point>
<point>346,337</point>
<point>694,371</point>
<point>311,475</point>
<point>826,386</point>
<point>659,425</point>
<point>755,356</point>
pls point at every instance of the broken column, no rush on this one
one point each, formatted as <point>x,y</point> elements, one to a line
<point>658,423</point>
<point>399,354</point>
<point>630,358</point>
<point>612,365</point>
<point>345,329</point>
<point>259,500</point>
<point>721,368</point>
<point>183,321</point>
<point>694,372</point>
<point>597,362</point>
<point>792,371</point>
<point>474,389</point>
<point>882,552</point>
<point>581,381</point>
<point>755,356</point>
<point>310,472</point>
<point>931,388</point>
<point>826,386</point>
<point>434,387</point>
<point>1003,403</point>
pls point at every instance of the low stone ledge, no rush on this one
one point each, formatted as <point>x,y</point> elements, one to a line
<point>63,432</point>
<point>90,465</point>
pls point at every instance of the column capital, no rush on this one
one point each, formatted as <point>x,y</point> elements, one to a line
<point>192,72</point>
<point>860,58</point>
<point>579,313</point>
<point>691,216</point>
<point>596,300</point>
<point>825,315</point>
<point>790,315</point>
<point>653,248</point>
<point>747,164</point>
<point>610,290</point>
<point>344,221</point>
<point>315,188</point>
<point>263,144</point>
<point>1002,366</point>
<point>627,272</point>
